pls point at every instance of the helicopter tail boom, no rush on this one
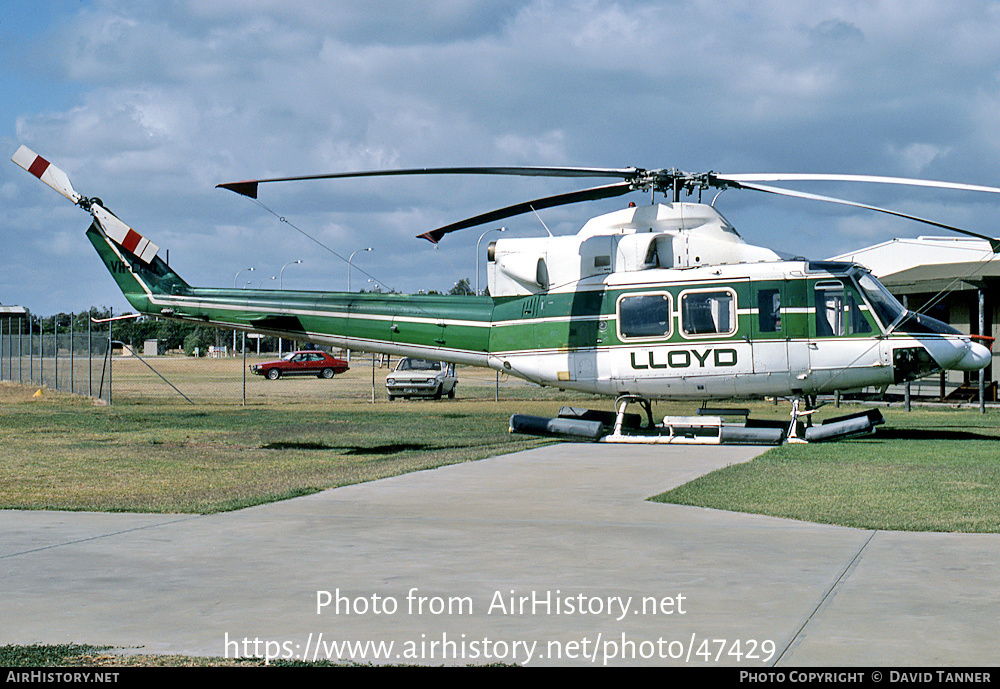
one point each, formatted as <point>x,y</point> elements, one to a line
<point>385,323</point>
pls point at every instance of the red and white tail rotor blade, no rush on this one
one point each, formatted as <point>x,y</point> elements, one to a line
<point>124,235</point>
<point>114,228</point>
<point>45,171</point>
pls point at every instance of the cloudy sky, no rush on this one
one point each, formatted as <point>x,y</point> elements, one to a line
<point>149,105</point>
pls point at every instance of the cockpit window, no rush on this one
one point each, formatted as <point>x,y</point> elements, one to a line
<point>886,307</point>
<point>919,324</point>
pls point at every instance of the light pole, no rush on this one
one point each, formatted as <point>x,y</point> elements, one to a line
<point>281,272</point>
<point>281,277</point>
<point>237,277</point>
<point>495,229</point>
<point>351,258</point>
<point>245,270</point>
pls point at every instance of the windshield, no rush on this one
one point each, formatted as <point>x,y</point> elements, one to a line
<point>920,324</point>
<point>418,365</point>
<point>886,307</point>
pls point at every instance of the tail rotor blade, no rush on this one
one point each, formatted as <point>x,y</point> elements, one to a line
<point>115,229</point>
<point>45,171</point>
<point>124,235</point>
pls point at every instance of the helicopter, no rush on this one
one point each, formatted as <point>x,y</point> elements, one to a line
<point>661,301</point>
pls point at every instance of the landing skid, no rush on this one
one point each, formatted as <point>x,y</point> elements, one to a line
<point>710,427</point>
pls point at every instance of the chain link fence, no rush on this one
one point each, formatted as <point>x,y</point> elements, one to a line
<point>91,360</point>
<point>71,360</point>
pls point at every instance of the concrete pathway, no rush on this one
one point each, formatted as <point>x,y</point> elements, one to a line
<point>545,557</point>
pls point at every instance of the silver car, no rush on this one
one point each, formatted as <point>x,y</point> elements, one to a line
<point>421,378</point>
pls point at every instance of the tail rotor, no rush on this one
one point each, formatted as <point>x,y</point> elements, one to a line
<point>120,233</point>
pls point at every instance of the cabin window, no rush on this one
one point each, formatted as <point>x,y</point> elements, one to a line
<point>708,313</point>
<point>838,312</point>
<point>769,310</point>
<point>644,316</point>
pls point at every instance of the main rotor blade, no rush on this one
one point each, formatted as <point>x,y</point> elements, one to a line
<point>592,194</point>
<point>868,179</point>
<point>249,187</point>
<point>994,243</point>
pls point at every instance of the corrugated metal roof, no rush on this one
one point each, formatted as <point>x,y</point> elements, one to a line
<point>927,263</point>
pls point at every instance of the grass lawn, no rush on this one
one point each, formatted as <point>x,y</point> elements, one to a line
<point>85,655</point>
<point>63,453</point>
<point>928,470</point>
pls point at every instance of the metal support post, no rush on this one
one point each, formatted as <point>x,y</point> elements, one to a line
<point>72,360</point>
<point>982,332</point>
<point>906,388</point>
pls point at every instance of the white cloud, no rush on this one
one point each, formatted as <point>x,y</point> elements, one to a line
<point>177,97</point>
<point>914,158</point>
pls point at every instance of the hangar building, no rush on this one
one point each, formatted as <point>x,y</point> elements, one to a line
<point>955,280</point>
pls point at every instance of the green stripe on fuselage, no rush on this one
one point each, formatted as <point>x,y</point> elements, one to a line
<point>588,319</point>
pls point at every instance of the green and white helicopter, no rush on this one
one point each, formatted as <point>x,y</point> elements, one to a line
<point>650,302</point>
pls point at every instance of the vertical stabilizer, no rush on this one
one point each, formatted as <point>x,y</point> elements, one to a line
<point>137,279</point>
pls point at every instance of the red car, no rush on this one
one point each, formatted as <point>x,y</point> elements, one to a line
<point>319,364</point>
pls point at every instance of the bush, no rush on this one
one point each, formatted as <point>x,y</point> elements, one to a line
<point>200,339</point>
